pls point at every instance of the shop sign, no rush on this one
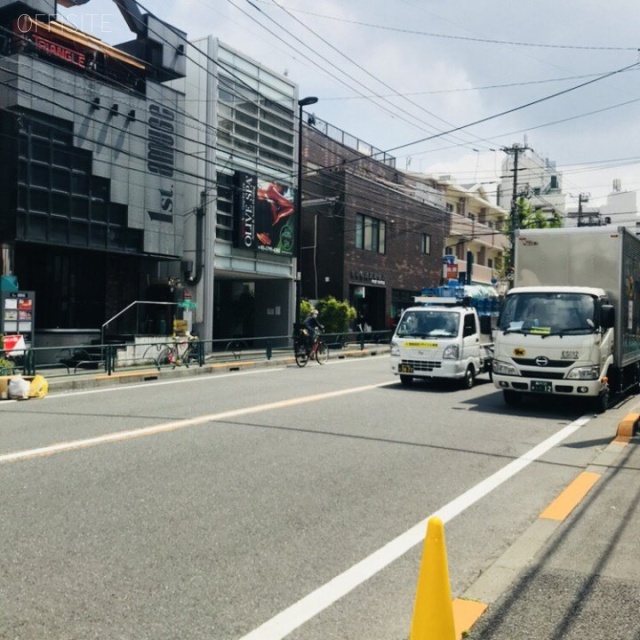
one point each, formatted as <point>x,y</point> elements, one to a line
<point>57,50</point>
<point>244,210</point>
<point>371,277</point>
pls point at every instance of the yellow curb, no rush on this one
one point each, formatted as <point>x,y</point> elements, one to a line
<point>235,364</point>
<point>627,427</point>
<point>566,502</point>
<point>130,374</point>
<point>466,614</point>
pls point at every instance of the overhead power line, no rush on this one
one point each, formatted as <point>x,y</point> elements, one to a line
<point>468,38</point>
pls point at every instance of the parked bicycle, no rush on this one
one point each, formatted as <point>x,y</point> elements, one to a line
<point>303,352</point>
<point>181,351</point>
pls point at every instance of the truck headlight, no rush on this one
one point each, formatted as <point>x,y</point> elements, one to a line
<point>584,373</point>
<point>504,368</point>
<point>451,352</point>
<point>395,348</point>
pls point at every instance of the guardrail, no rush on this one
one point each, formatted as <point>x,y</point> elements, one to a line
<point>170,353</point>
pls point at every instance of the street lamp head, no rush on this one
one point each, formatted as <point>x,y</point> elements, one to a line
<point>305,102</point>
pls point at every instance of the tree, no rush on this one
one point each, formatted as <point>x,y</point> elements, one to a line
<point>336,316</point>
<point>529,218</point>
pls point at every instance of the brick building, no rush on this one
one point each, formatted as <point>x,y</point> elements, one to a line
<point>371,234</point>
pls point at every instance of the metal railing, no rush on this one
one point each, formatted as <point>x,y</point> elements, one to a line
<point>134,326</point>
<point>108,359</point>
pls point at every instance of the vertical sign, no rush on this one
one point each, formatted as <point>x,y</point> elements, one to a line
<point>17,319</point>
<point>244,209</point>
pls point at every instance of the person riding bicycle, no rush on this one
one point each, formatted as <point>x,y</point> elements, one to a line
<point>313,327</point>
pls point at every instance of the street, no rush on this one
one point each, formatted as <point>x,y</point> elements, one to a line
<point>259,505</point>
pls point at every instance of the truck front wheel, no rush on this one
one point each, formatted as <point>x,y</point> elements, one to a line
<point>511,398</point>
<point>406,380</point>
<point>469,377</point>
<point>601,403</point>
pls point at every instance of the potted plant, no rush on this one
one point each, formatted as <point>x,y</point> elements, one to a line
<point>6,366</point>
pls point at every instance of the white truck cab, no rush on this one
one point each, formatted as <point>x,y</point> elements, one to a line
<point>441,338</point>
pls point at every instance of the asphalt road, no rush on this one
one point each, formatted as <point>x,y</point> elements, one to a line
<point>264,504</point>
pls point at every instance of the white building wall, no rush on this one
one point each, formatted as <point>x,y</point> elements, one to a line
<point>538,178</point>
<point>622,208</point>
<point>209,156</point>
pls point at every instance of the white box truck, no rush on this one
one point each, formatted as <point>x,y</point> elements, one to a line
<point>571,324</point>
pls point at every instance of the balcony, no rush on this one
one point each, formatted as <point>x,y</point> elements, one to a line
<point>471,231</point>
<point>480,274</point>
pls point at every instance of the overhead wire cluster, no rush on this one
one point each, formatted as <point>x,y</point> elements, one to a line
<point>193,125</point>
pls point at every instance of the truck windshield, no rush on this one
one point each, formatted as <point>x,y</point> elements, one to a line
<point>426,322</point>
<point>548,313</point>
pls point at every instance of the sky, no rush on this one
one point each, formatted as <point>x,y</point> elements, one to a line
<point>444,85</point>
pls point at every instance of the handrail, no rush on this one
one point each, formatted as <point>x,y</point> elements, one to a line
<point>129,306</point>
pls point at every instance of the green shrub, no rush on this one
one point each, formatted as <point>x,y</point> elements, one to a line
<point>6,367</point>
<point>336,316</point>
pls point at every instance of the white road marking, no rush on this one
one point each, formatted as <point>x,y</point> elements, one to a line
<point>317,601</point>
<point>174,425</point>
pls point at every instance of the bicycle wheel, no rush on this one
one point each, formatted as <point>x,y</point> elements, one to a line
<point>301,358</point>
<point>322,353</point>
<point>160,354</point>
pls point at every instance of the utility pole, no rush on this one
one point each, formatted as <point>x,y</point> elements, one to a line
<point>514,150</point>
<point>582,197</point>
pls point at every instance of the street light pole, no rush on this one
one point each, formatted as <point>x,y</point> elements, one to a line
<point>301,103</point>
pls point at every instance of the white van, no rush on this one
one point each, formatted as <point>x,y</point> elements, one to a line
<point>442,338</point>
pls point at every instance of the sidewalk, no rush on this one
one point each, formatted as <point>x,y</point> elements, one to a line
<point>577,577</point>
<point>60,381</point>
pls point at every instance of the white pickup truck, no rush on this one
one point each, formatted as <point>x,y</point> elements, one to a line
<point>441,338</point>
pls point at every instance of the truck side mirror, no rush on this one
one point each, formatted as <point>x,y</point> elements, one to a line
<point>607,316</point>
<point>485,325</point>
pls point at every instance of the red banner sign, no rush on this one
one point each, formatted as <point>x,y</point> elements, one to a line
<point>57,50</point>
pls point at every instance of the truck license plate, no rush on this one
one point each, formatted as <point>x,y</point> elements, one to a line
<point>538,386</point>
<point>405,368</point>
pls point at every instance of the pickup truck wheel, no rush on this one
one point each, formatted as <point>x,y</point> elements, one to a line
<point>469,377</point>
<point>511,398</point>
<point>406,380</point>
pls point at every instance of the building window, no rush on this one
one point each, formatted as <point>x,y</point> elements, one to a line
<point>448,251</point>
<point>370,234</point>
<point>59,201</point>
<point>426,243</point>
<point>449,207</point>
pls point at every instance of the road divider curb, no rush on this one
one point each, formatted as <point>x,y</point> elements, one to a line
<point>627,427</point>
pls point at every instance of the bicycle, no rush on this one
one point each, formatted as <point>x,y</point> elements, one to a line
<point>182,351</point>
<point>318,351</point>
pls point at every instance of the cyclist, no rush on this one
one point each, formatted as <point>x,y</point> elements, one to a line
<point>313,327</point>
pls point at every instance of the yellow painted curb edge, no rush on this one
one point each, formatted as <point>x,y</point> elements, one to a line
<point>628,426</point>
<point>465,614</point>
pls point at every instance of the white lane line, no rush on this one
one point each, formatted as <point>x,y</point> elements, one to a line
<point>120,436</point>
<point>317,601</point>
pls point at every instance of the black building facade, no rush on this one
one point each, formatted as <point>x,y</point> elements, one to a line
<point>92,183</point>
